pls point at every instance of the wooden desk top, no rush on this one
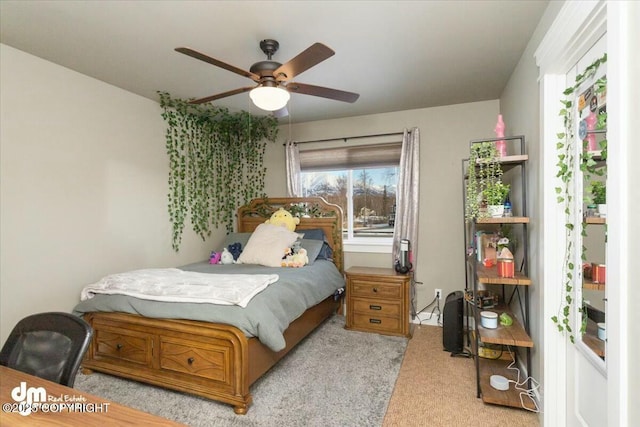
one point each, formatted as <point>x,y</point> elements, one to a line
<point>63,406</point>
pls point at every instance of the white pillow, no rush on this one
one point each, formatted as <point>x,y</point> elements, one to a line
<point>267,245</point>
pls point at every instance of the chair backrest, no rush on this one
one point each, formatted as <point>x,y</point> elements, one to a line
<point>48,345</point>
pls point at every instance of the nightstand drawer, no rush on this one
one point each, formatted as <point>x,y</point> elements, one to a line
<point>368,289</point>
<point>376,323</point>
<point>371,307</point>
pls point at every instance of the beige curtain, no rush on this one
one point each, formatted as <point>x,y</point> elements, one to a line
<point>406,223</point>
<point>292,157</point>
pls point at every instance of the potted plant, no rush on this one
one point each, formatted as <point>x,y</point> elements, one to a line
<point>599,193</point>
<point>483,169</point>
<point>495,194</point>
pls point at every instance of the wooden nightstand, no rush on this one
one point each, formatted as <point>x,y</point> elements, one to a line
<point>378,301</point>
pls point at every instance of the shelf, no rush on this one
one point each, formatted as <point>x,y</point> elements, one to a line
<point>504,220</point>
<point>509,397</point>
<point>595,220</point>
<point>513,160</point>
<point>513,335</point>
<point>591,340</point>
<point>596,155</point>
<point>479,278</point>
<point>506,162</point>
<point>588,284</point>
<point>489,276</point>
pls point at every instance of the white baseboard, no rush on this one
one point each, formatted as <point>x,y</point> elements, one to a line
<point>423,319</point>
<point>433,321</point>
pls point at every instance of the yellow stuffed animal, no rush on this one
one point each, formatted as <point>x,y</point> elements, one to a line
<point>284,218</point>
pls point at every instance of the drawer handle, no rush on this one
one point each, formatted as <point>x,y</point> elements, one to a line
<point>119,346</point>
<point>190,360</point>
<point>378,321</point>
<point>375,307</point>
<point>375,289</point>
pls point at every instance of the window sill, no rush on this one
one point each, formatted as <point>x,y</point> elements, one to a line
<point>378,246</point>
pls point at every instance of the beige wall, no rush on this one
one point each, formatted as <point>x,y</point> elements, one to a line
<point>520,106</point>
<point>445,133</point>
<point>83,186</point>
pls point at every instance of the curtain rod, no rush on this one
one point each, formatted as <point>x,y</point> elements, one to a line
<point>345,138</point>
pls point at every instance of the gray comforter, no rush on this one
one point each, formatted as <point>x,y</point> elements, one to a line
<point>266,316</point>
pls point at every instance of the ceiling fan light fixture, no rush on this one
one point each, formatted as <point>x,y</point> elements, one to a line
<point>269,98</point>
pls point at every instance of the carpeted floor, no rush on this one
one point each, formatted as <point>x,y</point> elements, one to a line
<point>339,378</point>
<point>334,377</point>
<point>435,389</point>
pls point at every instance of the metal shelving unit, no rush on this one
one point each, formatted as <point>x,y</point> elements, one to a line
<point>514,292</point>
<point>590,336</point>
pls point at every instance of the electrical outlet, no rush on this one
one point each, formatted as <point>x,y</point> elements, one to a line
<point>438,293</point>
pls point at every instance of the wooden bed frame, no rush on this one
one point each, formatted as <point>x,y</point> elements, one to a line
<point>213,360</point>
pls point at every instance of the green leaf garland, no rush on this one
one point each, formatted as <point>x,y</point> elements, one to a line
<point>566,165</point>
<point>215,163</point>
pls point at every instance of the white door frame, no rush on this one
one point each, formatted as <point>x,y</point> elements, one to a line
<point>578,25</point>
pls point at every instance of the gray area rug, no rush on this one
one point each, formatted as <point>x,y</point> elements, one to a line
<point>334,377</point>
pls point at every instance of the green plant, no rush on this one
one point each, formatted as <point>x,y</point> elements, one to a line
<point>483,169</point>
<point>506,230</point>
<point>305,209</point>
<point>215,163</point>
<point>601,124</point>
<point>599,192</point>
<point>495,193</point>
<point>589,166</point>
<point>566,166</point>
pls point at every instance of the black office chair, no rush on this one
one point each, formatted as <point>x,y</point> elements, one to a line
<point>48,345</point>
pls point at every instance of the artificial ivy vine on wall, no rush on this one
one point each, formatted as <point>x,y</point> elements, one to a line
<point>215,163</point>
<point>566,165</point>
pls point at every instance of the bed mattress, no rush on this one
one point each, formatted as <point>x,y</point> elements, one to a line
<point>266,316</point>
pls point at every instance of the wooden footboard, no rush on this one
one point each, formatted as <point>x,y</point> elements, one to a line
<point>212,360</point>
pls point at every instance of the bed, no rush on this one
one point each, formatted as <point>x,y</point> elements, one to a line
<point>216,359</point>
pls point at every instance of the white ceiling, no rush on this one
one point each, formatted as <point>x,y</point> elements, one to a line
<point>397,55</point>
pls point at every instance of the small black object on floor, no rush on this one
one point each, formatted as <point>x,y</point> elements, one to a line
<point>452,329</point>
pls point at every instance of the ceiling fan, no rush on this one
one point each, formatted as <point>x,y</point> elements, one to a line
<point>274,79</point>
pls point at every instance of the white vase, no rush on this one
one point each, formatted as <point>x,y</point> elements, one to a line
<point>602,211</point>
<point>495,211</point>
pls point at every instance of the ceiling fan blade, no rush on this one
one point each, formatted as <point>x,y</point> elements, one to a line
<point>313,55</point>
<point>324,92</point>
<point>202,57</point>
<point>221,95</point>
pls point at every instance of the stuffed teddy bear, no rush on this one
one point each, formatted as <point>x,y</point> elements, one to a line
<point>299,259</point>
<point>214,258</point>
<point>226,257</point>
<point>284,218</point>
<point>235,249</point>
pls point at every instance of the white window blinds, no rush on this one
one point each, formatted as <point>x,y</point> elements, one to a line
<point>360,156</point>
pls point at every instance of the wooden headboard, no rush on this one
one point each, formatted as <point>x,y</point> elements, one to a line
<point>314,212</point>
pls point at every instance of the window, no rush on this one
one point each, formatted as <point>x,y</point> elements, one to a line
<point>362,180</point>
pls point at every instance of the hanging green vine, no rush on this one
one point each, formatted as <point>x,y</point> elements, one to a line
<point>566,165</point>
<point>215,163</point>
<point>483,170</point>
